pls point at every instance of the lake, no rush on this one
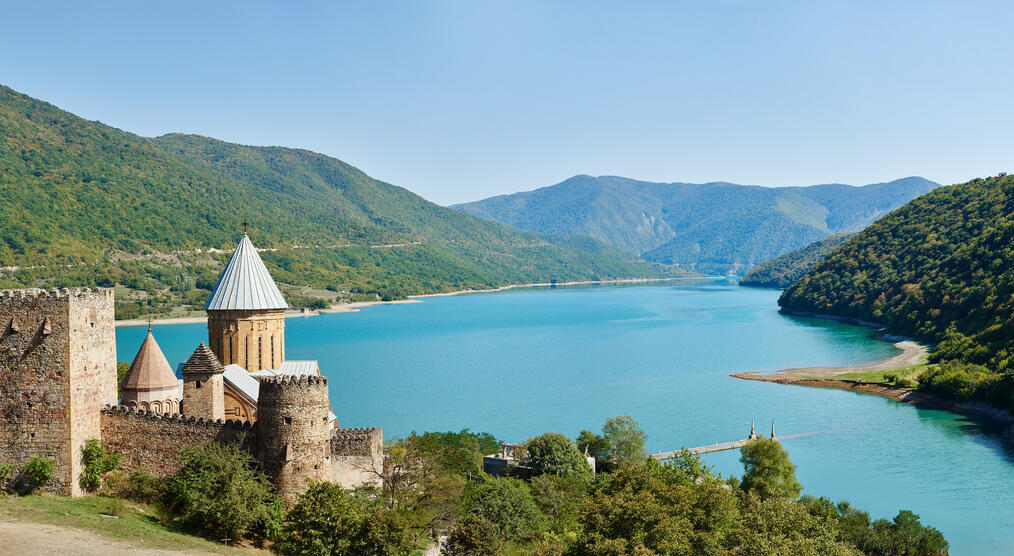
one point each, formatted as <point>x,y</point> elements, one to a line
<point>523,362</point>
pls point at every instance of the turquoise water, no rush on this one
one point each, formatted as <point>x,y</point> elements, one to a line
<point>523,362</point>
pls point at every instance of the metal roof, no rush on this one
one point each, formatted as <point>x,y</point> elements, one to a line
<point>241,379</point>
<point>245,284</point>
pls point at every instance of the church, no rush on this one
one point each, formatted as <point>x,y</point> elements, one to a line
<point>246,335</point>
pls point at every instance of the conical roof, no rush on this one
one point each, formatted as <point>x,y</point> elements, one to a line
<point>246,283</point>
<point>202,361</point>
<point>150,370</point>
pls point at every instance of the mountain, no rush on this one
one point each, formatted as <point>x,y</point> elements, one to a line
<point>940,269</point>
<point>710,227</point>
<point>87,204</point>
<point>781,271</point>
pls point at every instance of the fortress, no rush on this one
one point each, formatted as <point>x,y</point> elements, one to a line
<point>58,389</point>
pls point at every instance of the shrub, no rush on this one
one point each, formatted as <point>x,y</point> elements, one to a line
<point>36,473</point>
<point>5,475</point>
<point>474,536</point>
<point>97,462</point>
<point>218,491</point>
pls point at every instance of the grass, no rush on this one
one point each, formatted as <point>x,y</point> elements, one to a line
<point>134,522</point>
<point>878,377</point>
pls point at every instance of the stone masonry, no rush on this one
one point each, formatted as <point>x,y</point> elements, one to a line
<point>57,369</point>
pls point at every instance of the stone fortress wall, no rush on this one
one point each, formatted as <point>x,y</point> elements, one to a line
<point>152,442</point>
<point>57,368</point>
<point>58,389</point>
<point>357,455</point>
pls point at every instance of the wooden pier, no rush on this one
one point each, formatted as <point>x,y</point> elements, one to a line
<point>716,447</point>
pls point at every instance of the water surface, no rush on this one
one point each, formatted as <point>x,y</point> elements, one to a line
<point>523,362</point>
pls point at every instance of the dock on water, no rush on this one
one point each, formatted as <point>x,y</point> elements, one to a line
<point>716,447</point>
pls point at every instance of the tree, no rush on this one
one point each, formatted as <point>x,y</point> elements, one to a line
<point>625,439</point>
<point>474,536</point>
<point>507,503</point>
<point>595,445</point>
<point>328,519</point>
<point>97,462</point>
<point>555,454</point>
<point>121,372</point>
<point>219,491</point>
<point>768,471</point>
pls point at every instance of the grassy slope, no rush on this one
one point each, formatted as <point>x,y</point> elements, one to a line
<point>87,204</point>
<point>714,225</point>
<point>783,270</point>
<point>134,522</point>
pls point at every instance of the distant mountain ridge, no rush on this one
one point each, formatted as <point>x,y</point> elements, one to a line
<point>711,226</point>
<point>87,204</point>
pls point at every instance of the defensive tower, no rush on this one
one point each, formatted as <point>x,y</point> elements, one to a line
<point>293,432</point>
<point>246,313</point>
<point>57,369</point>
<point>203,385</point>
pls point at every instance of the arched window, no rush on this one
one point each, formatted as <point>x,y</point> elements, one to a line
<point>156,406</point>
<point>143,406</point>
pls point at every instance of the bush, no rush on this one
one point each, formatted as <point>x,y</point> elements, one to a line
<point>219,491</point>
<point>36,473</point>
<point>474,536</point>
<point>5,475</point>
<point>97,462</point>
<point>555,454</point>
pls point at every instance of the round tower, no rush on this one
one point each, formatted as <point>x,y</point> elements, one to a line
<point>293,433</point>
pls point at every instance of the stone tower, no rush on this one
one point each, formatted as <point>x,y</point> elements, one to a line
<point>151,384</point>
<point>203,385</point>
<point>246,313</point>
<point>293,433</point>
<point>57,369</point>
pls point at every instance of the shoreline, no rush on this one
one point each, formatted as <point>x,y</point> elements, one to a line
<point>357,306</point>
<point>912,353</point>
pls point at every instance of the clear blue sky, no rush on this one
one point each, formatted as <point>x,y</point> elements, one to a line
<point>461,100</point>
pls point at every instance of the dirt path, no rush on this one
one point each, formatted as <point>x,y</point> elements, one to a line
<point>911,354</point>
<point>26,538</point>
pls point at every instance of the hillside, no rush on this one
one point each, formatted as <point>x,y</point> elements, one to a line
<point>88,204</point>
<point>781,271</point>
<point>940,269</point>
<point>708,227</point>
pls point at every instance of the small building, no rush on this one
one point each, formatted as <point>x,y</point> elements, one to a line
<point>150,384</point>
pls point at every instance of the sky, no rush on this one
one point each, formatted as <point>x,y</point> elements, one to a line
<point>458,101</point>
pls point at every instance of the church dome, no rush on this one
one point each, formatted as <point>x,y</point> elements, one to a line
<point>150,369</point>
<point>245,284</point>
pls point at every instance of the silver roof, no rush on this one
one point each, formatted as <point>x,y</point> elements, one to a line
<point>241,379</point>
<point>245,283</point>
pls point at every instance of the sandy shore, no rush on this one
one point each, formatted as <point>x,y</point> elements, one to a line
<point>911,354</point>
<point>359,305</point>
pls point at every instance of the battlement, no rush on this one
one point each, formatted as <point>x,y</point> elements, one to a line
<point>357,441</point>
<point>7,296</point>
<point>286,382</point>
<point>178,419</point>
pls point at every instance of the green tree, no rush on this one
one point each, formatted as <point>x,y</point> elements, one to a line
<point>625,440</point>
<point>121,371</point>
<point>328,519</point>
<point>555,454</point>
<point>474,536</point>
<point>507,503</point>
<point>219,491</point>
<point>559,499</point>
<point>595,445</point>
<point>768,471</point>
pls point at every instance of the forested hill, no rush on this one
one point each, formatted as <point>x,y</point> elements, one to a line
<point>781,271</point>
<point>87,204</point>
<point>711,227</point>
<point>944,260</point>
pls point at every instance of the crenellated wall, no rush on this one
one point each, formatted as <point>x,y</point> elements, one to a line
<point>152,442</point>
<point>357,456</point>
